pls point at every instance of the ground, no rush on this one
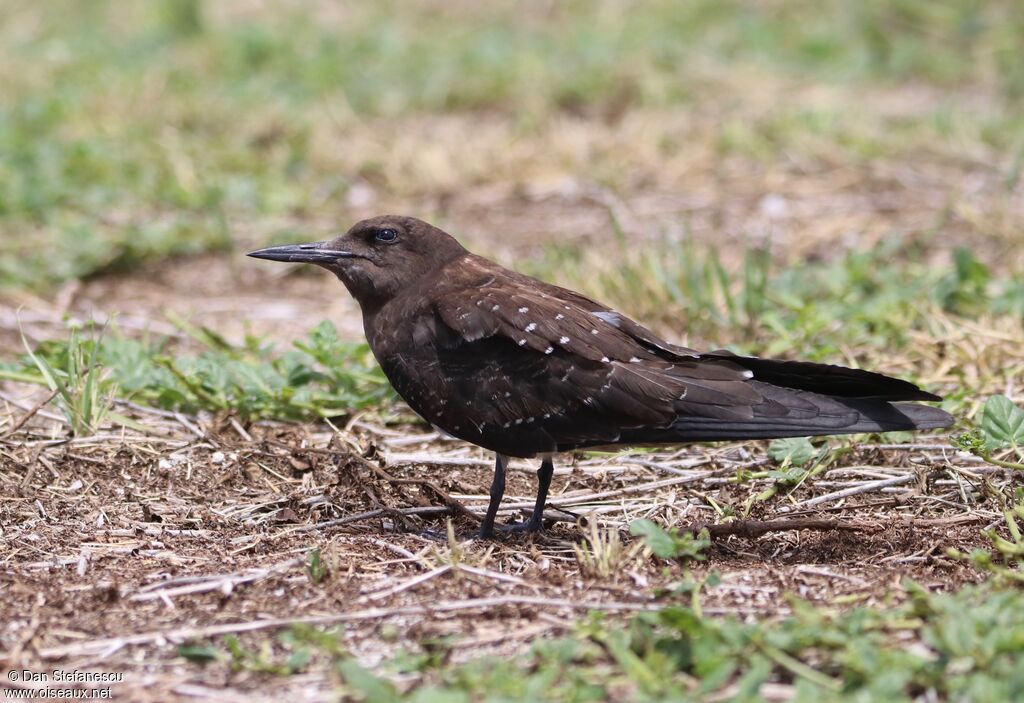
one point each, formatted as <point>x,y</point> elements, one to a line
<point>878,195</point>
<point>124,548</point>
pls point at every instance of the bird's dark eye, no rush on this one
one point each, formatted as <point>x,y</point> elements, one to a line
<point>385,235</point>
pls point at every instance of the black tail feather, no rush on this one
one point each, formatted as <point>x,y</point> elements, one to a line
<point>833,416</point>
<point>826,379</point>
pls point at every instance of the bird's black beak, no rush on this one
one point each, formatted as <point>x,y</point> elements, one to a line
<point>311,253</point>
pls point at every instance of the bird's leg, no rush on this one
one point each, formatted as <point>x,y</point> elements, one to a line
<point>544,474</point>
<point>497,491</point>
<point>536,521</point>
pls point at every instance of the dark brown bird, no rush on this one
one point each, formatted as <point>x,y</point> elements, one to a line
<point>527,369</point>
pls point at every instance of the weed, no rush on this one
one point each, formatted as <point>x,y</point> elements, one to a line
<point>1006,561</point>
<point>315,567</point>
<point>603,555</point>
<point>288,653</point>
<point>84,392</point>
<point>670,543</point>
<point>795,451</point>
<point>322,377</point>
<point>961,646</point>
<point>1001,429</point>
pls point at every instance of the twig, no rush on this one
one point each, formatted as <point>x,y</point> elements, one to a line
<point>867,487</point>
<point>31,413</point>
<point>453,504</point>
<point>756,528</point>
<point>369,514</point>
<point>24,406</point>
<point>213,582</point>
<point>181,634</point>
<point>409,583</point>
<point>487,573</point>
<point>400,551</point>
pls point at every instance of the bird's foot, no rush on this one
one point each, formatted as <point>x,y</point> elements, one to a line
<point>528,526</point>
<point>519,527</point>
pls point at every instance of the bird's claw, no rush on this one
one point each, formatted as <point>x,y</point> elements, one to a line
<point>528,526</point>
<point>515,528</point>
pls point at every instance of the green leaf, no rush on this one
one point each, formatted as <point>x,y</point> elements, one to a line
<point>373,688</point>
<point>298,660</point>
<point>315,566</point>
<point>670,544</point>
<point>439,695</point>
<point>657,539</point>
<point>797,450</point>
<point>199,653</point>
<point>1002,422</point>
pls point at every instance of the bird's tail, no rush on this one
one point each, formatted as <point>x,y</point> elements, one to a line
<point>794,413</point>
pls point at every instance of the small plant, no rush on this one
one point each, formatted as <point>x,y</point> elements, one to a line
<point>792,451</point>
<point>82,386</point>
<point>670,543</point>
<point>1007,559</point>
<point>1002,428</point>
<point>315,567</point>
<point>322,376</point>
<point>603,555</point>
<point>300,644</point>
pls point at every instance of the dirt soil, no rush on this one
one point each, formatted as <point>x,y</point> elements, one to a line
<point>119,549</point>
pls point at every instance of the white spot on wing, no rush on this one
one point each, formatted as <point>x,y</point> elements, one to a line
<point>531,327</point>
<point>524,309</point>
<point>549,350</point>
<point>559,316</point>
<point>593,331</point>
<point>495,307</point>
<point>563,340</point>
<point>522,342</point>
<point>635,359</point>
<point>605,359</point>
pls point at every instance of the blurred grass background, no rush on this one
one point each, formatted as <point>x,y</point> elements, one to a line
<point>135,130</point>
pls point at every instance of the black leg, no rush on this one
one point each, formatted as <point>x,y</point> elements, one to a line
<point>497,491</point>
<point>536,521</point>
<point>544,474</point>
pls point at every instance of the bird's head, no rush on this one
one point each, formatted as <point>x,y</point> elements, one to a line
<point>376,258</point>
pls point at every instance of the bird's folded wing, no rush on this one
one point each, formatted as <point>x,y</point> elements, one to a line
<point>551,318</point>
<point>568,360</point>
